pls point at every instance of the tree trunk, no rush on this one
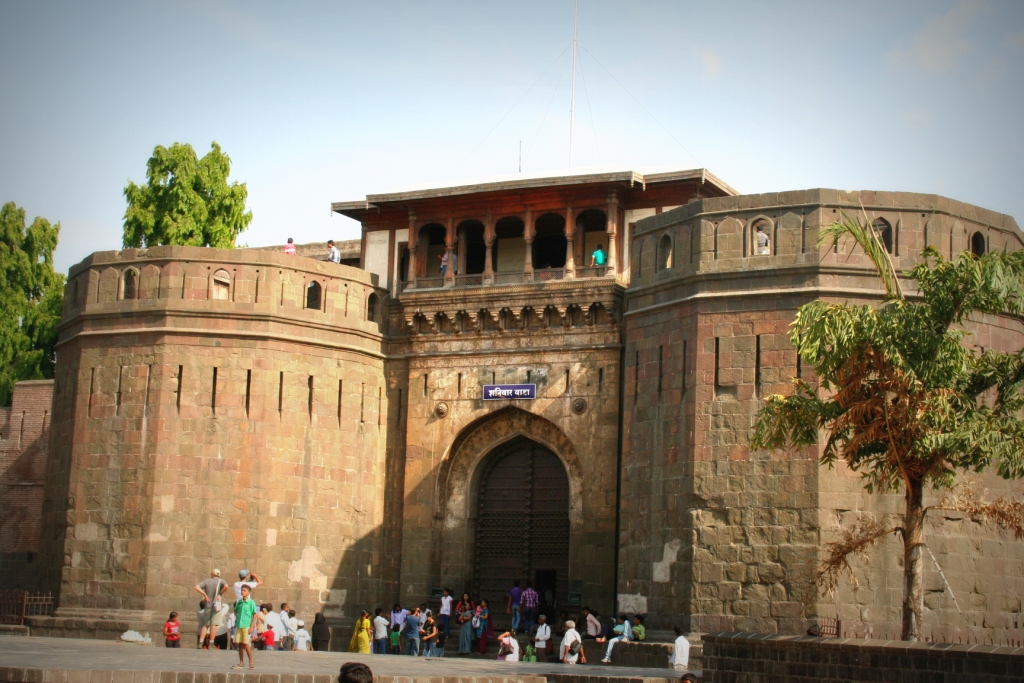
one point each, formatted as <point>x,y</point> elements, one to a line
<point>913,562</point>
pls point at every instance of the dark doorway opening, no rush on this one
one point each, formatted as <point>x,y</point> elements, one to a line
<point>549,242</point>
<point>475,251</point>
<point>522,530</point>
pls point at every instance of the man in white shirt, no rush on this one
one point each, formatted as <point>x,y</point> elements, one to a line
<point>333,255</point>
<point>301,637</point>
<point>273,620</point>
<point>680,658</point>
<point>541,638</point>
<point>286,632</point>
<point>571,641</point>
<point>380,633</point>
<point>446,612</point>
<point>246,578</point>
<point>593,624</point>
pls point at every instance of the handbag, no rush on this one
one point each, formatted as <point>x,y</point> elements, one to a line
<point>576,646</point>
<point>476,621</point>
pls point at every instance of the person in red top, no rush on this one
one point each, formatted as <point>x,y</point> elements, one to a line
<point>290,247</point>
<point>268,637</point>
<point>172,631</point>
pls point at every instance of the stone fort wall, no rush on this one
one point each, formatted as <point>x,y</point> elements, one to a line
<point>210,414</point>
<point>24,438</point>
<point>722,538</point>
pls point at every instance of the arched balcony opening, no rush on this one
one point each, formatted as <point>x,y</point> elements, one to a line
<point>129,284</point>
<point>431,248</point>
<point>978,246</point>
<point>884,231</point>
<point>762,238</point>
<point>664,261</point>
<point>509,249</point>
<point>313,295</point>
<point>471,252</point>
<point>221,285</point>
<point>591,233</point>
<point>373,308</point>
<point>549,246</point>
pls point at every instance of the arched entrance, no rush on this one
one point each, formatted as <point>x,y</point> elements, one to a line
<point>522,526</point>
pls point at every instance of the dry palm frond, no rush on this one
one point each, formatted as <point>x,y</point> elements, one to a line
<point>853,540</point>
<point>1005,513</point>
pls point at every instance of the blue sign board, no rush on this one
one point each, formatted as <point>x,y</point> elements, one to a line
<point>504,392</point>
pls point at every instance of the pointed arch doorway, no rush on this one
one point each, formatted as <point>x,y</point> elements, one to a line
<point>522,526</point>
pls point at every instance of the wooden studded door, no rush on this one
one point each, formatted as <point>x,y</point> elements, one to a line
<point>522,529</point>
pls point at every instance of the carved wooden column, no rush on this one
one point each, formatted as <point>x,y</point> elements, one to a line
<point>460,237</point>
<point>528,237</point>
<point>613,219</point>
<point>449,243</point>
<point>414,252</point>
<point>570,248</point>
<point>488,250</point>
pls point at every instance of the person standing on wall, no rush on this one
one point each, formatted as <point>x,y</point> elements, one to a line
<point>211,589</point>
<point>333,254</point>
<point>515,596</point>
<point>245,613</point>
<point>290,247</point>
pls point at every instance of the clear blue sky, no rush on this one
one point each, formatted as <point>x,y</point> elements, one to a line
<point>321,102</point>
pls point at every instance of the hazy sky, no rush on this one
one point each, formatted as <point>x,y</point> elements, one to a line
<point>321,102</point>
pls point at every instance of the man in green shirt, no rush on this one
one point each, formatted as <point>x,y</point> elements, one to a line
<point>598,257</point>
<point>639,632</point>
<point>245,610</point>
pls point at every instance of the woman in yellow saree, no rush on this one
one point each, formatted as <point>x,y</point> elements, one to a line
<point>360,641</point>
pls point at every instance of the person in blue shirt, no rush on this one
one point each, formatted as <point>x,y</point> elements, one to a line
<point>412,633</point>
<point>598,258</point>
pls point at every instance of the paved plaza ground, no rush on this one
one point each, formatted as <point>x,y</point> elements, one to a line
<point>75,657</point>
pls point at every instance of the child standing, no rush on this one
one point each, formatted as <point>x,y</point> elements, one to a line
<point>395,647</point>
<point>172,631</point>
<point>302,637</point>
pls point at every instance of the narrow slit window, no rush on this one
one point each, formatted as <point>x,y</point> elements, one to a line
<point>362,402</point>
<point>92,388</point>
<point>661,367</point>
<point>145,400</point>
<point>424,384</point>
<point>280,393</point>
<point>682,369</point>
<point>567,380</point>
<point>213,393</point>
<point>309,397</point>
<point>718,346</point>
<point>529,376</point>
<point>380,403</point>
<point>636,374</point>
<point>177,392</point>
<point>398,408</point>
<point>494,377</point>
<point>248,390</point>
<point>340,386</point>
<point>600,380</point>
<point>117,396</point>
<point>458,389</point>
<point>799,364</point>
<point>757,366</point>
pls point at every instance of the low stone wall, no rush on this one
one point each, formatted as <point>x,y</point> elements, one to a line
<point>759,658</point>
<point>645,654</point>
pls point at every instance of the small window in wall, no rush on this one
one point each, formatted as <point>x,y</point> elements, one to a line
<point>884,231</point>
<point>129,282</point>
<point>372,306</point>
<point>761,240</point>
<point>978,244</point>
<point>665,252</point>
<point>221,285</point>
<point>313,293</point>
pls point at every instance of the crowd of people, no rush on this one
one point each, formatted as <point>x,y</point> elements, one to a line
<point>244,625</point>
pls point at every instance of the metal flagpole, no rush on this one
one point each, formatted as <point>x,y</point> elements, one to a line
<point>572,99</point>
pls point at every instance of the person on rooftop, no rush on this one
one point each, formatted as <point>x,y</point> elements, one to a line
<point>290,247</point>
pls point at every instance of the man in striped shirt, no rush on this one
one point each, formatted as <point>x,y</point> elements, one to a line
<point>528,601</point>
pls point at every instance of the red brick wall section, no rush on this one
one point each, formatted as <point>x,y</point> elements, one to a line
<point>25,430</point>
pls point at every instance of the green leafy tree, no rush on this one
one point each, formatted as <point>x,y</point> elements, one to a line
<point>904,402</point>
<point>185,201</point>
<point>31,297</point>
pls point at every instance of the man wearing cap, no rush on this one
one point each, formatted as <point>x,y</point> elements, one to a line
<point>246,578</point>
<point>211,589</point>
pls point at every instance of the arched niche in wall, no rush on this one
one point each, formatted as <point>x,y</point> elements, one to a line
<point>664,255</point>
